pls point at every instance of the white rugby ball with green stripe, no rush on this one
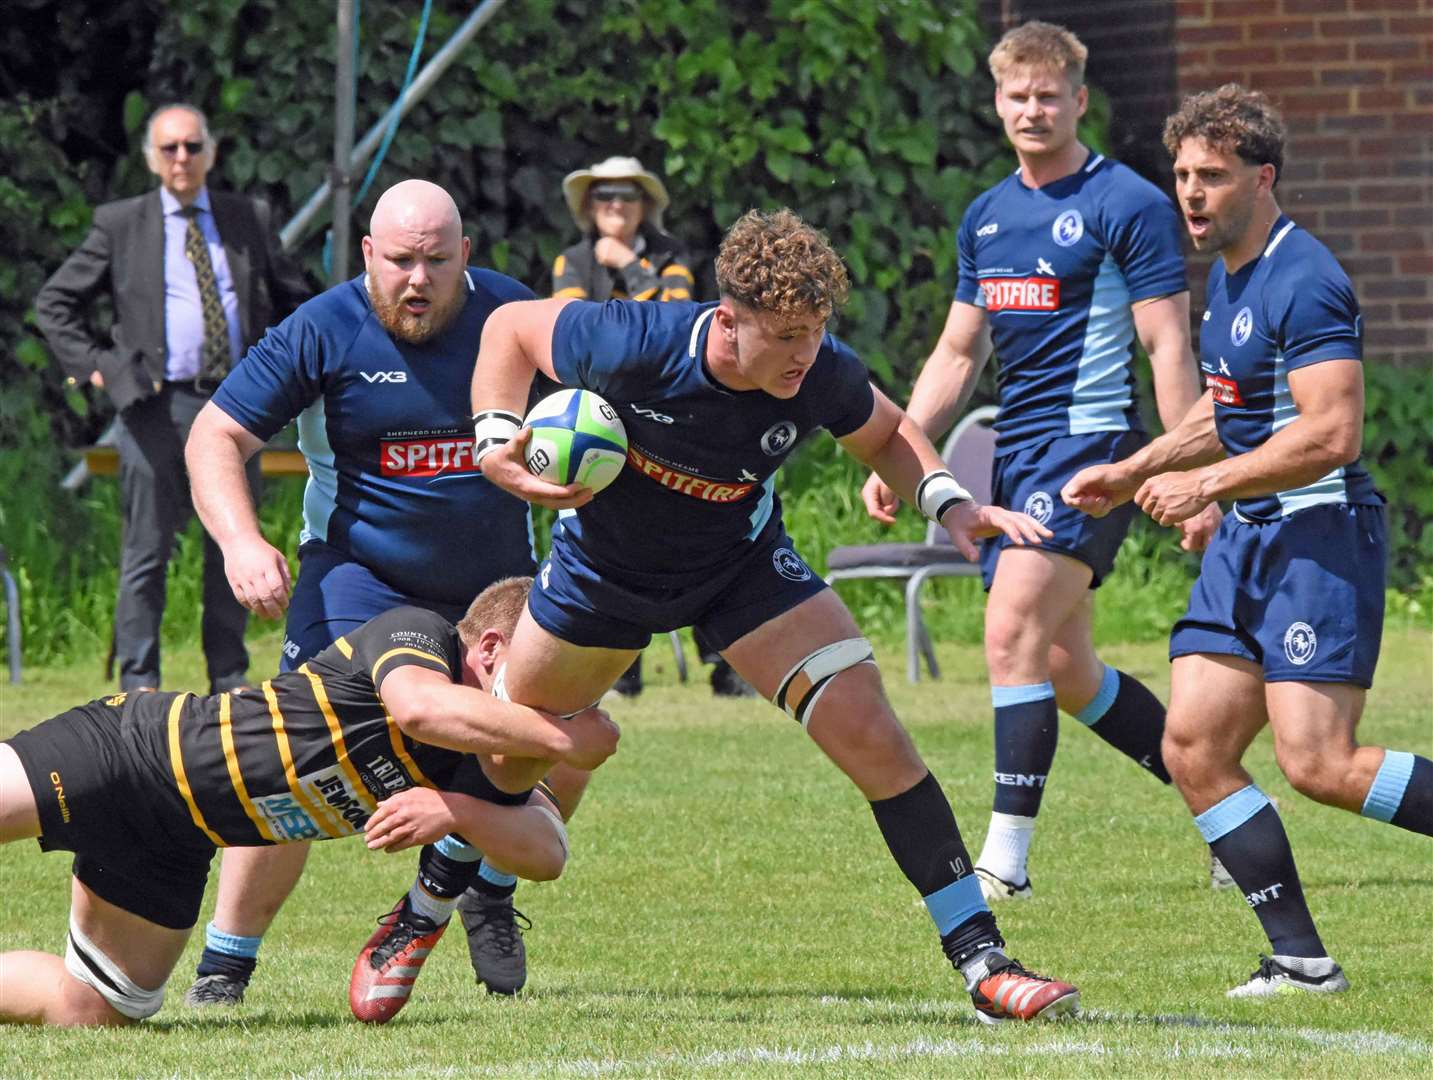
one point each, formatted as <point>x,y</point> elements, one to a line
<point>577,438</point>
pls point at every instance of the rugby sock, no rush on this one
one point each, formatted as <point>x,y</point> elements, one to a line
<point>494,884</point>
<point>912,824</point>
<point>1128,717</point>
<point>1402,792</point>
<point>1244,831</point>
<point>442,879</point>
<point>1007,845</point>
<point>1026,731</point>
<point>228,954</point>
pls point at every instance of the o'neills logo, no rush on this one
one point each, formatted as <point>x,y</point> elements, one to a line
<point>60,796</point>
<point>426,457</point>
<point>1021,294</point>
<point>718,491</point>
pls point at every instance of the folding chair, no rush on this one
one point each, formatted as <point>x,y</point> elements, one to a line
<point>969,453</point>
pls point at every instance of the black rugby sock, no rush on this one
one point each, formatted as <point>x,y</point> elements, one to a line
<point>1402,792</point>
<point>1026,734</point>
<point>1131,719</point>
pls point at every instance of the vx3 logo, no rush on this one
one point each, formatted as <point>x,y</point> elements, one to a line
<point>384,376</point>
<point>653,414</point>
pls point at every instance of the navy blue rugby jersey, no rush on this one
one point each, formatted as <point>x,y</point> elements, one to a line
<point>701,459</point>
<point>1291,307</point>
<point>309,754</point>
<point>1056,269</point>
<point>386,429</point>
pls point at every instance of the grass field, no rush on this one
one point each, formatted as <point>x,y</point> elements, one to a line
<point>729,910</point>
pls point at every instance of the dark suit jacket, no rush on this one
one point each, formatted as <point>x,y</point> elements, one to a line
<point>124,252</point>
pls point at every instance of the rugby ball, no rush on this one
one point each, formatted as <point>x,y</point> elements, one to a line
<point>577,438</point>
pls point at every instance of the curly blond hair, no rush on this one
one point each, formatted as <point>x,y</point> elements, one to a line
<point>772,261</point>
<point>1043,46</point>
<point>497,607</point>
<point>1231,120</point>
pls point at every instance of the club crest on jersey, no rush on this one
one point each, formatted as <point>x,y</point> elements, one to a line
<point>778,438</point>
<point>1068,228</point>
<point>1300,643</point>
<point>1040,506</point>
<point>1021,294</point>
<point>1242,326</point>
<point>789,565</point>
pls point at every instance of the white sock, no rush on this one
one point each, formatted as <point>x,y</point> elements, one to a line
<point>1313,967</point>
<point>437,908</point>
<point>1007,846</point>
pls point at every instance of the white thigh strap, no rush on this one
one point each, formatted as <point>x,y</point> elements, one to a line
<point>93,968</point>
<point>807,681</point>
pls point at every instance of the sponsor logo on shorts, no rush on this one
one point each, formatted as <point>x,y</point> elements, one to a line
<point>117,700</point>
<point>1242,326</point>
<point>546,575</point>
<point>1225,391</point>
<point>389,775</point>
<point>778,438</point>
<point>1068,228</point>
<point>653,414</point>
<point>384,376</point>
<point>59,786</point>
<point>427,456</point>
<point>698,487</point>
<point>333,788</point>
<point>1021,294</point>
<point>291,648</point>
<point>988,230</point>
<point>1300,643</point>
<point>1040,506</point>
<point>789,565</point>
<point>286,818</point>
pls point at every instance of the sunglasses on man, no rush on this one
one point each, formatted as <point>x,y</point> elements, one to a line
<point>616,193</point>
<point>171,149</point>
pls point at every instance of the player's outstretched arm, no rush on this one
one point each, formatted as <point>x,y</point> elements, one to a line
<point>1326,433</point>
<point>940,393</point>
<point>1100,488</point>
<point>529,841</point>
<point>516,344</point>
<point>430,708</point>
<point>892,444</point>
<point>214,456</point>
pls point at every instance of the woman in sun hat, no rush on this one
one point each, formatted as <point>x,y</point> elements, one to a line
<point>623,253</point>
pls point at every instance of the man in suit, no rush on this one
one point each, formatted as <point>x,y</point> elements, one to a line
<point>195,278</point>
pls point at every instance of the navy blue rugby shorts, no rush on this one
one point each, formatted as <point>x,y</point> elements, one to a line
<point>1030,480</point>
<point>1302,596</point>
<point>576,601</point>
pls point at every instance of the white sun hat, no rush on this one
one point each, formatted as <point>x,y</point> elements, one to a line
<point>575,185</point>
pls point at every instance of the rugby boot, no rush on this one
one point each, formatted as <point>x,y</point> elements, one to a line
<point>1289,974</point>
<point>217,989</point>
<point>1004,990</point>
<point>495,941</point>
<point>388,965</point>
<point>995,888</point>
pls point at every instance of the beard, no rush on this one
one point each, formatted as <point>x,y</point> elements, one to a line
<point>416,329</point>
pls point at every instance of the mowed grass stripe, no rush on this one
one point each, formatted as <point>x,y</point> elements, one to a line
<point>730,910</point>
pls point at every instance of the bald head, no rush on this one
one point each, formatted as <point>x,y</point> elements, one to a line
<point>416,206</point>
<point>415,255</point>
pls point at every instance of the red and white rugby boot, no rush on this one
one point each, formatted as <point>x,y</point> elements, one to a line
<point>1007,991</point>
<point>386,968</point>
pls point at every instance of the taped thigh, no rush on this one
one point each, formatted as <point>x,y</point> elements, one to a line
<point>807,681</point>
<point>89,965</point>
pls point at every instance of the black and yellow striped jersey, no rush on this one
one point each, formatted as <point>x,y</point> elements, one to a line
<point>309,754</point>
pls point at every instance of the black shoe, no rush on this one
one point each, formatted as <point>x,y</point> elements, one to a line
<point>216,990</point>
<point>495,941</point>
<point>727,683</point>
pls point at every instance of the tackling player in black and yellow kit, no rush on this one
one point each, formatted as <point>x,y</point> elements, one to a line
<point>389,731</point>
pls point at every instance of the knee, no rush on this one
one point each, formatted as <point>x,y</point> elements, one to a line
<point>1186,758</point>
<point>81,1005</point>
<point>1320,774</point>
<point>1013,642</point>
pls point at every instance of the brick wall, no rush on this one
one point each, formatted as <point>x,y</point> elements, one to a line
<point>1354,79</point>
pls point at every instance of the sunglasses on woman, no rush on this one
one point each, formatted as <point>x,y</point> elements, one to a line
<point>616,193</point>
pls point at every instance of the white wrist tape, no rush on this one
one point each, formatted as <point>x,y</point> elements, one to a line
<point>938,492</point>
<point>491,429</point>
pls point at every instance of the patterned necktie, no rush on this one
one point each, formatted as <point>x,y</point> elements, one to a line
<point>217,358</point>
